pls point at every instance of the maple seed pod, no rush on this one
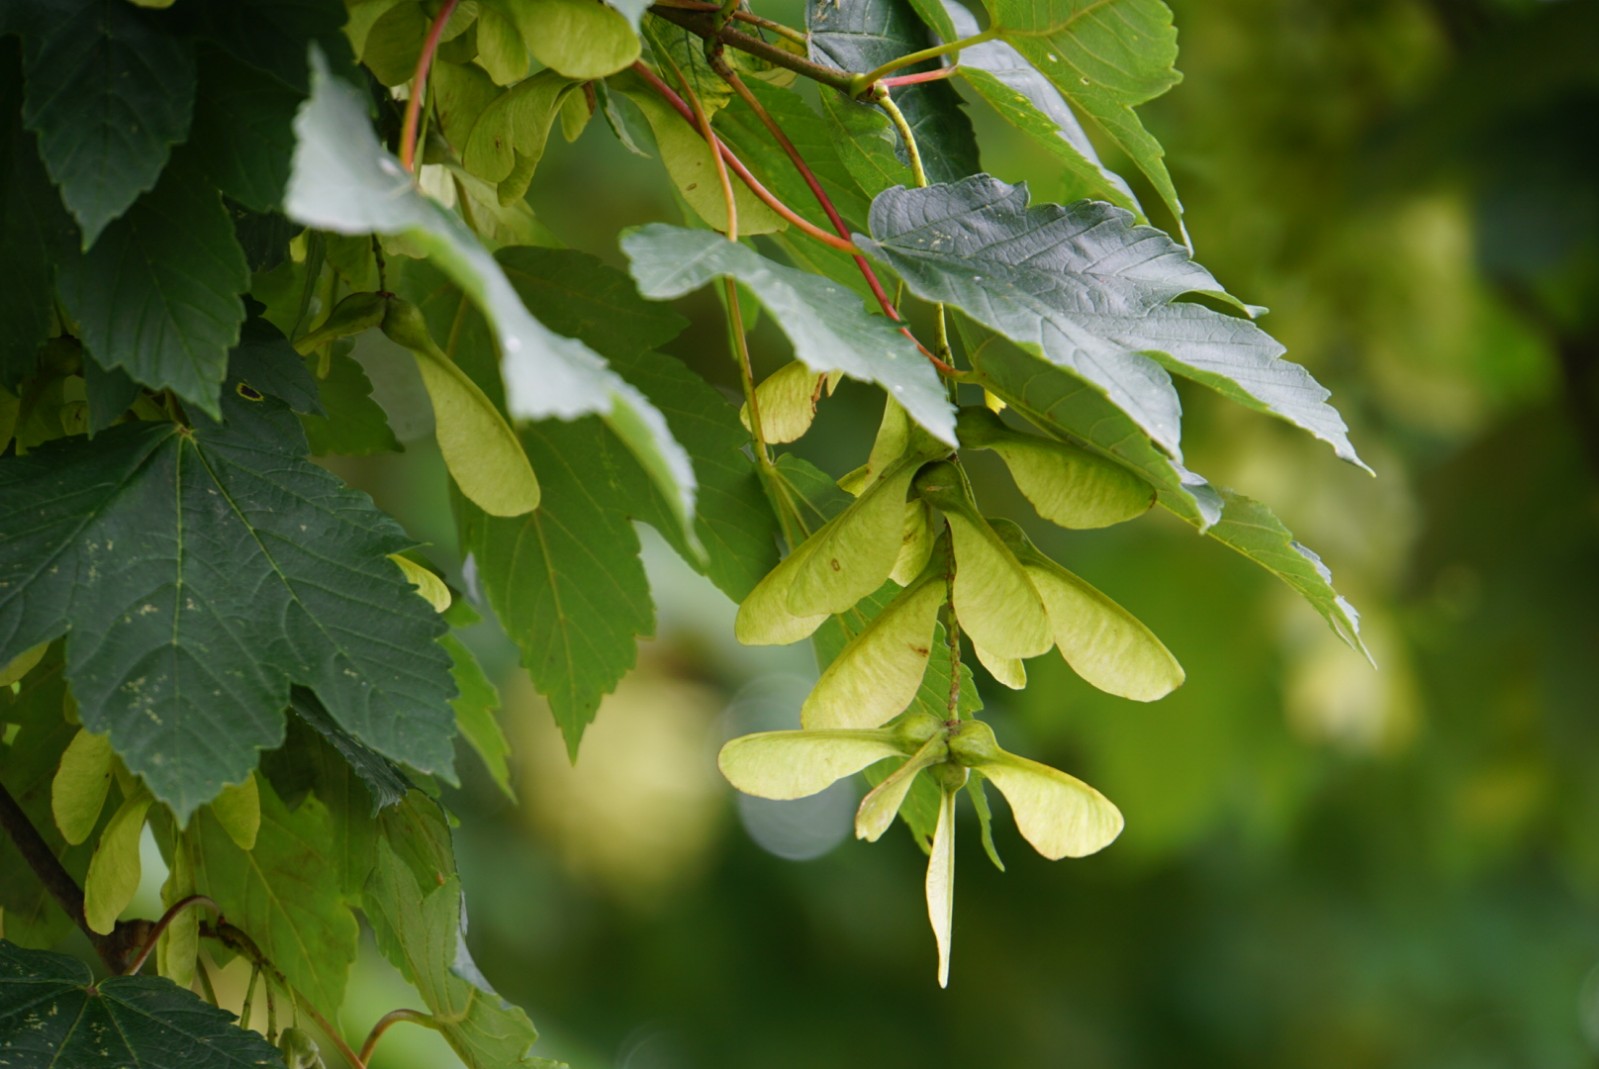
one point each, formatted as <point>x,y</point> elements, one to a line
<point>876,676</point>
<point>1070,487</point>
<point>846,559</point>
<point>356,313</point>
<point>1101,641</point>
<point>483,453</point>
<point>1059,815</point>
<point>994,599</point>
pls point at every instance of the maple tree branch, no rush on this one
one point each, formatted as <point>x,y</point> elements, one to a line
<point>419,82</point>
<point>779,28</point>
<point>58,881</point>
<point>702,23</point>
<point>166,919</point>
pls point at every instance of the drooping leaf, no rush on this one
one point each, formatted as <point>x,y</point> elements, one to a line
<point>860,36</point>
<point>197,573</point>
<point>1085,289</point>
<point>279,895</point>
<point>1106,57</point>
<point>344,181</point>
<point>414,903</point>
<point>1252,529</point>
<point>829,328</point>
<point>110,91</point>
<point>53,1012</point>
<point>565,580</point>
<point>158,294</point>
<point>1027,100</point>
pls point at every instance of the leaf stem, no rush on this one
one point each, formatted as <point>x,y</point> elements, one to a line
<point>862,82</point>
<point>702,24</point>
<point>737,165</point>
<point>944,358</point>
<point>922,76</point>
<point>419,81</point>
<point>239,941</point>
<point>385,1022</point>
<point>166,919</point>
<point>781,29</point>
<point>815,186</point>
<point>885,100</point>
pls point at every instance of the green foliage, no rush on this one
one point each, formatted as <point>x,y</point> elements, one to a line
<point>209,639</point>
<point>53,1012</point>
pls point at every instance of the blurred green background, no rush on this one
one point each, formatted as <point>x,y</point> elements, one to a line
<point>1324,865</point>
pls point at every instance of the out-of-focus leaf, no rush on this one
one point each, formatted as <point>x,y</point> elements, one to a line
<point>110,91</point>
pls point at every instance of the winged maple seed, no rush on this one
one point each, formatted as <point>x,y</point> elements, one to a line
<point>1059,815</point>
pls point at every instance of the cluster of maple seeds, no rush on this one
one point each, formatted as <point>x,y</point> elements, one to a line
<point>916,522</point>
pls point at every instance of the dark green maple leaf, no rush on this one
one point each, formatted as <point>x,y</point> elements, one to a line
<point>54,1013</point>
<point>159,294</point>
<point>1087,290</point>
<point>32,225</point>
<point>110,91</point>
<point>200,573</point>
